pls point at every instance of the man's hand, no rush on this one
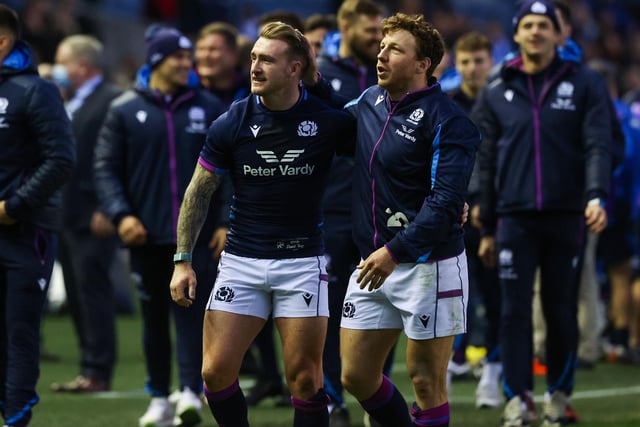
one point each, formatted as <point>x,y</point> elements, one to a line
<point>465,214</point>
<point>218,241</point>
<point>183,279</point>
<point>5,219</point>
<point>375,269</point>
<point>101,226</point>
<point>595,217</point>
<point>131,231</point>
<point>487,251</point>
<point>475,217</point>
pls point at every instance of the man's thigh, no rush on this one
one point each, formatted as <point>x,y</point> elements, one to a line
<point>226,338</point>
<point>365,351</point>
<point>302,344</point>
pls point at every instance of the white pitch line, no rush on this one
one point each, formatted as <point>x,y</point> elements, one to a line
<point>245,384</point>
<point>578,395</point>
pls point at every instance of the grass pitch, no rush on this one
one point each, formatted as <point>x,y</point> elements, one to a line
<point>608,395</point>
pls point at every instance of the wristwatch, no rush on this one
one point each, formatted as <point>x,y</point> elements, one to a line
<point>181,257</point>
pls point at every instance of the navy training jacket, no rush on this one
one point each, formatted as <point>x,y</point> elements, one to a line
<point>146,154</point>
<point>546,151</point>
<point>412,171</point>
<point>37,151</point>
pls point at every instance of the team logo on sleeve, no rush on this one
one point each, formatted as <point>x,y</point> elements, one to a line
<point>336,84</point>
<point>4,103</point>
<point>416,116</point>
<point>307,128</point>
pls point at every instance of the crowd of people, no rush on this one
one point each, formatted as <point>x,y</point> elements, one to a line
<point>343,178</point>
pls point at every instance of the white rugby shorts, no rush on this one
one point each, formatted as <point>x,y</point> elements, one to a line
<point>427,300</point>
<point>292,287</point>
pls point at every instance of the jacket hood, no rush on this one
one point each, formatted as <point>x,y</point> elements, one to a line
<point>19,60</point>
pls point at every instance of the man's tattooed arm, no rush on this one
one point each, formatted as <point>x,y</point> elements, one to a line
<point>195,207</point>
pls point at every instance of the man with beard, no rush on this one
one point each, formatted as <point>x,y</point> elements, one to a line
<point>276,145</point>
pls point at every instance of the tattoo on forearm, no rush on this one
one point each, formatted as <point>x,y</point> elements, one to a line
<point>195,207</point>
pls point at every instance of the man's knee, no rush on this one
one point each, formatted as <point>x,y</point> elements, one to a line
<point>359,382</point>
<point>216,377</point>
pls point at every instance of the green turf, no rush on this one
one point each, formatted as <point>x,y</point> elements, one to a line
<point>124,409</point>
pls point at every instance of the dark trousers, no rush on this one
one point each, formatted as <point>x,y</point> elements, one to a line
<point>554,242</point>
<point>27,254</point>
<point>86,262</point>
<point>342,256</point>
<point>151,269</point>
<point>485,281</point>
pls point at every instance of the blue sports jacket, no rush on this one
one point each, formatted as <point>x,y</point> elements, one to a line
<point>146,154</point>
<point>546,151</point>
<point>413,163</point>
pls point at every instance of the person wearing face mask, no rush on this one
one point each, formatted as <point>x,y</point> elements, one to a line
<point>87,244</point>
<point>147,150</point>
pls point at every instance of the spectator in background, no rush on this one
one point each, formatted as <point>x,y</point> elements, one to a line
<point>473,62</point>
<point>534,220</point>
<point>36,159</point>
<point>316,28</point>
<point>87,244</point>
<point>217,58</point>
<point>146,152</point>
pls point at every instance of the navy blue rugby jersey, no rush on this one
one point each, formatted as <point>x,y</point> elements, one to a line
<point>278,162</point>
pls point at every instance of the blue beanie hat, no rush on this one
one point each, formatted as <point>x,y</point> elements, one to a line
<point>162,42</point>
<point>535,7</point>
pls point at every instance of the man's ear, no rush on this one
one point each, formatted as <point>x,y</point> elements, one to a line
<point>423,65</point>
